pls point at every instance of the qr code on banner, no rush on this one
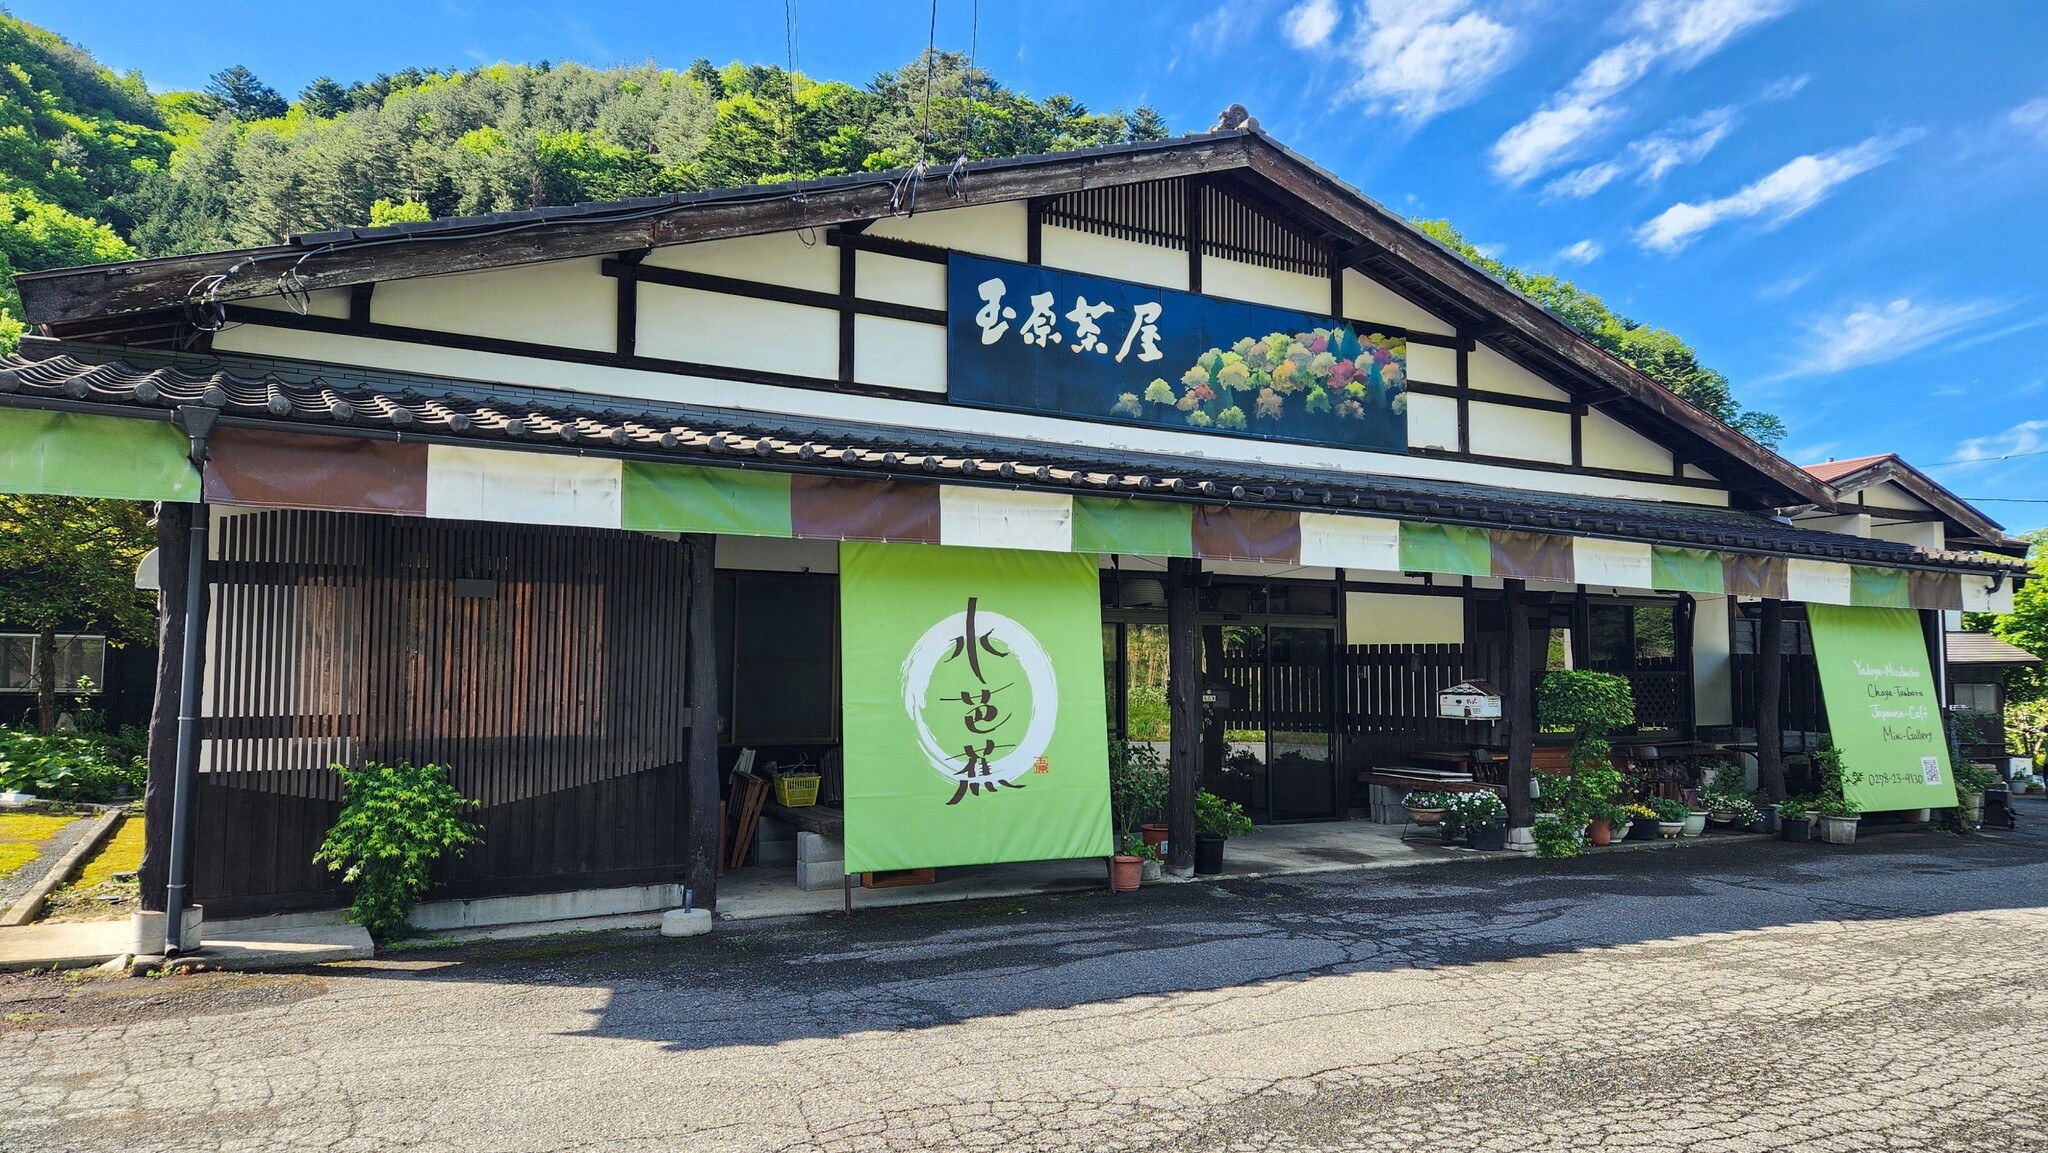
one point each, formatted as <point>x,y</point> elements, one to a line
<point>1930,770</point>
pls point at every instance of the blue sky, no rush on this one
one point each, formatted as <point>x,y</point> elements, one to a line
<point>1839,203</point>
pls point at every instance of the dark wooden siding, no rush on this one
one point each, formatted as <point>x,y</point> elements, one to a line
<point>543,666</point>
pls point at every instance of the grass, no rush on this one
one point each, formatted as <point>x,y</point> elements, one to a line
<point>94,894</point>
<point>22,836</point>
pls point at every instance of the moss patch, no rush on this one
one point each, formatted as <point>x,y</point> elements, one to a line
<point>22,836</point>
<point>95,894</point>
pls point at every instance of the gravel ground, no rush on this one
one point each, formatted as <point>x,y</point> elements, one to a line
<point>1745,995</point>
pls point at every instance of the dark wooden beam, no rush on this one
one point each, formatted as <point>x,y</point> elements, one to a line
<point>143,286</point>
<point>1193,217</point>
<point>700,865</point>
<point>1770,680</point>
<point>885,246</point>
<point>626,342</point>
<point>1464,401</point>
<point>849,265</point>
<point>780,293</point>
<point>1518,707</point>
<point>1184,705</point>
<point>173,525</point>
<point>359,302</point>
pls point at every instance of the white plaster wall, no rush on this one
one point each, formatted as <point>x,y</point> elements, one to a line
<point>1078,251</point>
<point>627,384</point>
<point>1890,495</point>
<point>1395,619</point>
<point>1432,421</point>
<point>1608,443</point>
<point>328,302</point>
<point>892,278</point>
<point>773,555</point>
<point>1713,683</point>
<point>1524,434</point>
<point>715,328</point>
<point>1432,364</point>
<point>1925,533</point>
<point>1488,370</point>
<point>561,302</point>
<point>1368,300</point>
<point>1695,472</point>
<point>988,229</point>
<point>899,353</point>
<point>1235,280</point>
<point>771,258</point>
<point>1852,524</point>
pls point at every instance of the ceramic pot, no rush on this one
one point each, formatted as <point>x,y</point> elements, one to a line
<point>1695,823</point>
<point>1156,836</point>
<point>1125,873</point>
<point>1670,830</point>
<point>1598,831</point>
<point>1488,838</point>
<point>1425,817</point>
<point>1643,829</point>
<point>1796,830</point>
<point>1838,830</point>
<point>1208,855</point>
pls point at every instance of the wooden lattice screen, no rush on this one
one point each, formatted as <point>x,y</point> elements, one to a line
<point>528,660</point>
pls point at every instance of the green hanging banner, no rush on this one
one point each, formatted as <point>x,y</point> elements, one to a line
<point>1883,712</point>
<point>973,706</point>
<point>77,454</point>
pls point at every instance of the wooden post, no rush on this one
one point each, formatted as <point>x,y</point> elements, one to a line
<point>700,864</point>
<point>1770,680</point>
<point>1518,709</point>
<point>173,524</point>
<point>1184,700</point>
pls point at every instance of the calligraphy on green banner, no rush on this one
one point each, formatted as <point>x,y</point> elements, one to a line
<point>1883,711</point>
<point>973,706</point>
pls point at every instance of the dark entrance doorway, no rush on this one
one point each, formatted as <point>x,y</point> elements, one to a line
<point>1268,743</point>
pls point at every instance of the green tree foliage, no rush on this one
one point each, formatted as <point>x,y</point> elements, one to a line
<point>241,95</point>
<point>2026,626</point>
<point>324,99</point>
<point>68,563</point>
<point>1659,353</point>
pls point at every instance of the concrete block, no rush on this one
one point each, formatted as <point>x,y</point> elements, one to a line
<point>147,931</point>
<point>686,922</point>
<point>774,843</point>
<point>573,905</point>
<point>817,875</point>
<point>815,848</point>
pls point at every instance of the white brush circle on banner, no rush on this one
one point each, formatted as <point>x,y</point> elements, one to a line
<point>923,663</point>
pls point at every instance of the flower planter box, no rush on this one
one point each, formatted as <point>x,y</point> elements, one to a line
<point>1838,830</point>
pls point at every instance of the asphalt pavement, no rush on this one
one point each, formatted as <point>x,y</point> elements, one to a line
<point>1743,995</point>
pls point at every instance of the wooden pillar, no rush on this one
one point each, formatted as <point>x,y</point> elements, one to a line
<point>173,525</point>
<point>700,865</point>
<point>1184,706</point>
<point>1770,681</point>
<point>1518,709</point>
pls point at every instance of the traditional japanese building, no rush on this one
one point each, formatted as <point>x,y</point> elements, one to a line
<point>932,481</point>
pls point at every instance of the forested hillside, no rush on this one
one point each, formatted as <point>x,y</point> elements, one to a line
<point>95,167</point>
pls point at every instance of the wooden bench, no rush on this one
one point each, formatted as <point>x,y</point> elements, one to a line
<point>820,819</point>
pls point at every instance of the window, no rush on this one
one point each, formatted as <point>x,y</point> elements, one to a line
<point>1981,698</point>
<point>77,657</point>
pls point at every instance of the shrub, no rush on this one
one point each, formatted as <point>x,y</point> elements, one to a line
<point>69,766</point>
<point>1216,817</point>
<point>395,822</point>
<point>1587,704</point>
<point>1138,784</point>
<point>1556,839</point>
<point>1670,810</point>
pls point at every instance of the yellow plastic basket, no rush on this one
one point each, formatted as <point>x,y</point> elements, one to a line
<point>796,790</point>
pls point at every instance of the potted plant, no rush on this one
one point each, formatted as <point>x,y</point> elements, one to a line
<point>1148,856</point>
<point>1744,816</point>
<point>1483,816</point>
<point>1216,820</point>
<point>1971,781</point>
<point>1838,815</point>
<point>1426,808</point>
<point>1792,822</point>
<point>1671,817</point>
<point>1642,821</point>
<point>1838,820</point>
<point>1137,786</point>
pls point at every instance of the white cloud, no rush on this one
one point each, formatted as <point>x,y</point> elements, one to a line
<point>1872,333</point>
<point>1686,142</point>
<point>1679,32</point>
<point>1584,252</point>
<point>1417,58</point>
<point>2031,117</point>
<point>1800,184</point>
<point>1490,251</point>
<point>2026,436</point>
<point>1583,182</point>
<point>1309,23</point>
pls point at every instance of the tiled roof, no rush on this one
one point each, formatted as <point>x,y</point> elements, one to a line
<point>1985,649</point>
<point>339,399</point>
<point>1832,470</point>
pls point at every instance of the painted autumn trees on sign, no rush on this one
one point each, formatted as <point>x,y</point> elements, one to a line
<point>1291,383</point>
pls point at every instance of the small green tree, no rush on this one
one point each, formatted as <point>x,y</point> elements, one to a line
<point>68,564</point>
<point>1588,705</point>
<point>395,822</point>
<point>1138,785</point>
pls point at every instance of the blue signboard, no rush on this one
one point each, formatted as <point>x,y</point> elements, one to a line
<point>1032,339</point>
